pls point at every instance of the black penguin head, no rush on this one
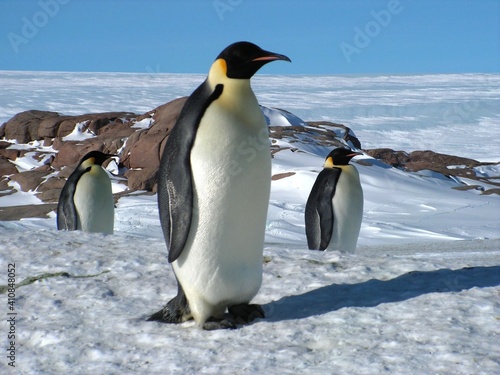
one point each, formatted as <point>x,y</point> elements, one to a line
<point>340,156</point>
<point>244,59</point>
<point>95,158</point>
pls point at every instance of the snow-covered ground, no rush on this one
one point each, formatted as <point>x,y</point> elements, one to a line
<point>421,294</point>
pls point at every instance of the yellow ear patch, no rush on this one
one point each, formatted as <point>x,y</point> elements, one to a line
<point>89,162</point>
<point>329,163</point>
<point>222,66</point>
<point>218,72</point>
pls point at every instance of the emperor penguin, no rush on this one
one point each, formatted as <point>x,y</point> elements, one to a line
<point>213,195</point>
<point>334,209</point>
<point>86,200</point>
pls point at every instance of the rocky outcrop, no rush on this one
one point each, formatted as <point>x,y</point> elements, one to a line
<point>6,167</point>
<point>23,127</point>
<point>137,139</point>
<point>340,131</point>
<point>145,147</point>
<point>22,212</point>
<point>53,144</point>
<point>448,165</point>
<point>47,126</point>
<point>323,133</point>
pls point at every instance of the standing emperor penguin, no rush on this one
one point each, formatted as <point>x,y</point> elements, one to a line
<point>213,194</point>
<point>86,201</point>
<point>334,209</point>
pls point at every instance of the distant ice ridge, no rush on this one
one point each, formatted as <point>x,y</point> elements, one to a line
<point>449,113</point>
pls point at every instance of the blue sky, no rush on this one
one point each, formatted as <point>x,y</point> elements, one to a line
<point>185,36</point>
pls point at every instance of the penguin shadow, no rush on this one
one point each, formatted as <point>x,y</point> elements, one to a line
<point>374,292</point>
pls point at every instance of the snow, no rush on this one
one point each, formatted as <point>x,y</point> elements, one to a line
<point>143,124</point>
<point>400,309</point>
<point>78,134</point>
<point>419,296</point>
<point>8,199</point>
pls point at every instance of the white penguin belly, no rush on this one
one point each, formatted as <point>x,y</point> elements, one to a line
<point>221,264</point>
<point>94,202</point>
<point>347,210</point>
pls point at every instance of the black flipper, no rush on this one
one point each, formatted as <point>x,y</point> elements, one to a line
<point>176,311</point>
<point>67,218</point>
<point>175,185</point>
<point>319,210</point>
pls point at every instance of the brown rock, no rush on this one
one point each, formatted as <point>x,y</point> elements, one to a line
<point>347,133</point>
<point>396,159</point>
<point>57,144</point>
<point>67,126</point>
<point>10,153</point>
<point>492,191</point>
<point>20,212</point>
<point>6,167</point>
<point>108,120</point>
<point>69,154</point>
<point>4,185</point>
<point>96,124</point>
<point>66,171</point>
<point>317,132</point>
<point>425,159</point>
<point>279,176</point>
<point>117,129</point>
<point>433,161</point>
<point>49,196</point>
<point>29,180</point>
<point>109,143</point>
<point>421,160</point>
<point>152,140</point>
<point>145,152</point>
<point>48,128</point>
<point>166,115</point>
<point>23,127</point>
<point>52,183</point>
<point>142,179</point>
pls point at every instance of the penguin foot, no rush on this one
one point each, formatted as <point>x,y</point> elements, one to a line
<point>176,311</point>
<point>228,322</point>
<point>245,313</point>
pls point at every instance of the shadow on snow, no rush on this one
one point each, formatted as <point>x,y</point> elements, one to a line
<point>375,292</point>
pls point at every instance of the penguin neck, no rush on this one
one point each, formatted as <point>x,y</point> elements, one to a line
<point>237,88</point>
<point>87,163</point>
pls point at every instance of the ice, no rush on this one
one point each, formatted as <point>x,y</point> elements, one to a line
<point>419,295</point>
